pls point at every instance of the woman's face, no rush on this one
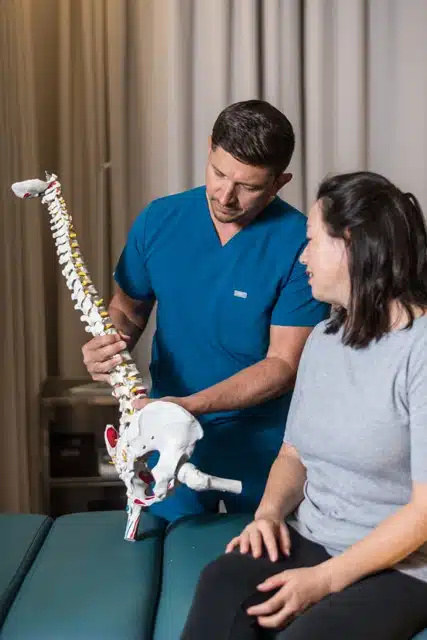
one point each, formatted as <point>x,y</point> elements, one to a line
<point>326,260</point>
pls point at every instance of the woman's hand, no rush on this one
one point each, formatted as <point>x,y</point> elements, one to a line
<point>298,589</point>
<point>270,532</point>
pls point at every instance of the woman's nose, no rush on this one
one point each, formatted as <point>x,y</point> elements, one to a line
<point>303,257</point>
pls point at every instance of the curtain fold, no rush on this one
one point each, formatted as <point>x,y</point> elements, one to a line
<point>21,269</point>
<point>335,95</point>
<point>83,161</point>
<point>397,90</point>
<point>282,71</point>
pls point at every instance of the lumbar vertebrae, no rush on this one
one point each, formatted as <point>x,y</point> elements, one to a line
<point>160,426</point>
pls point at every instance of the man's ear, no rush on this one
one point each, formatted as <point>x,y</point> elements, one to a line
<point>209,144</point>
<point>283,179</point>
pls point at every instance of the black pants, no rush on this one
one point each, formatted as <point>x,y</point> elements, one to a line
<point>385,606</point>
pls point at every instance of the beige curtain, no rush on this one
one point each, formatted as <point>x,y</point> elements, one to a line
<point>22,289</point>
<point>83,162</point>
<point>221,52</point>
<point>365,90</point>
<point>113,138</point>
<point>119,97</point>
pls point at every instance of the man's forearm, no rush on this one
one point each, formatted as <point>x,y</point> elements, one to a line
<point>285,485</point>
<point>126,325</point>
<point>263,381</point>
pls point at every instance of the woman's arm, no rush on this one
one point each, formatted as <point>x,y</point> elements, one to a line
<point>391,541</point>
<point>283,492</point>
<point>406,530</point>
<point>285,485</point>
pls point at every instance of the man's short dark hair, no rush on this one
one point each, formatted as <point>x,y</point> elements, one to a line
<point>255,133</point>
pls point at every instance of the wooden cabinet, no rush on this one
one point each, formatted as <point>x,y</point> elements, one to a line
<point>76,475</point>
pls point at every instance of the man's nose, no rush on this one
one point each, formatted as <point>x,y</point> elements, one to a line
<point>227,195</point>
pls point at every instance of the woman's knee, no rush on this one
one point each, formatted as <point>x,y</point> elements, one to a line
<point>221,572</point>
<point>232,576</point>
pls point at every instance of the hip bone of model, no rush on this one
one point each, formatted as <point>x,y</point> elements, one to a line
<point>162,427</point>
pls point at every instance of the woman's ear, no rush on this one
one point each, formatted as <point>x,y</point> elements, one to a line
<point>347,236</point>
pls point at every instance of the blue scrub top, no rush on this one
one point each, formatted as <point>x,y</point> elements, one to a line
<point>216,303</point>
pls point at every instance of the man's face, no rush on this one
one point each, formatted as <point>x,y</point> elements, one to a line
<point>238,192</point>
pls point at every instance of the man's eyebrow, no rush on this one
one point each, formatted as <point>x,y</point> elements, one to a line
<point>245,184</point>
<point>216,169</point>
<point>256,185</point>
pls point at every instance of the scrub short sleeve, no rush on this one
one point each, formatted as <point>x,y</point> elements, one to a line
<point>295,306</point>
<point>131,273</point>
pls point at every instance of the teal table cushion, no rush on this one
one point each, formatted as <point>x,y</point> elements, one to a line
<point>421,636</point>
<point>189,546</point>
<point>21,536</point>
<point>89,583</point>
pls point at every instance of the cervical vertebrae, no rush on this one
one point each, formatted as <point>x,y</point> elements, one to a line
<point>161,426</point>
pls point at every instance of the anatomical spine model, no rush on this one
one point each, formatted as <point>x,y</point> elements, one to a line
<point>160,426</point>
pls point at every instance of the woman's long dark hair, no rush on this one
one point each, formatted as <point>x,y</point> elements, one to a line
<point>386,240</point>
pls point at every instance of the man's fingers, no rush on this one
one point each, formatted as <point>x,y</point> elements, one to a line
<point>105,353</point>
<point>101,377</point>
<point>101,341</point>
<point>103,367</point>
<point>101,349</point>
<point>102,354</point>
<point>104,359</point>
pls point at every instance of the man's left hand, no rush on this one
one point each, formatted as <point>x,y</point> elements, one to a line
<point>298,589</point>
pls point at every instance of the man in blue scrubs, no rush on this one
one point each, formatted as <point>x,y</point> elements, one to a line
<point>234,305</point>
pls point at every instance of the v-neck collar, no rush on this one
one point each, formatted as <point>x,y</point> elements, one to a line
<point>213,229</point>
<point>243,230</point>
<point>225,244</point>
<point>215,232</point>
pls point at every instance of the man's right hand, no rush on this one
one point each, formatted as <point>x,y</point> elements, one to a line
<point>264,531</point>
<point>102,354</point>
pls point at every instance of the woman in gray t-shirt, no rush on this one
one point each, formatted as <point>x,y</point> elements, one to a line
<point>338,548</point>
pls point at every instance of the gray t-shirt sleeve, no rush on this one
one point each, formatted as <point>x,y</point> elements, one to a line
<point>417,405</point>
